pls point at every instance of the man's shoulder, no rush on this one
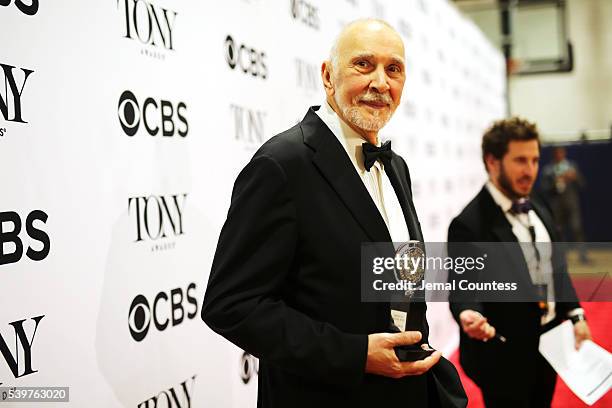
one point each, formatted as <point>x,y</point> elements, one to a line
<point>475,211</point>
<point>471,223</point>
<point>284,147</point>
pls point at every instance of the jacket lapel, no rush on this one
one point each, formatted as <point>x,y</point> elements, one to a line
<point>495,217</point>
<point>546,220</point>
<point>405,199</point>
<point>502,230</point>
<point>336,167</point>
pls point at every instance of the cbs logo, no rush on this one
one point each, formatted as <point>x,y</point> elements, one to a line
<point>166,309</point>
<point>15,239</point>
<point>247,59</point>
<point>249,366</point>
<point>154,115</point>
<point>27,9</point>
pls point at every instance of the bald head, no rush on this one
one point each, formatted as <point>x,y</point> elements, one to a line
<point>364,26</point>
<point>365,75</point>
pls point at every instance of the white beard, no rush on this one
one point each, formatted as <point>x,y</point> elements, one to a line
<point>353,115</point>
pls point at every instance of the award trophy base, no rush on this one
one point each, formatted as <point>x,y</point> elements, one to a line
<point>412,353</point>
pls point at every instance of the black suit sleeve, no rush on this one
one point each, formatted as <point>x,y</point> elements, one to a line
<point>564,288</point>
<point>459,232</point>
<point>251,270</point>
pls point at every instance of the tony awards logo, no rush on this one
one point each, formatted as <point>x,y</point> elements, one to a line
<point>15,80</point>
<point>20,363</point>
<point>159,219</point>
<point>151,25</point>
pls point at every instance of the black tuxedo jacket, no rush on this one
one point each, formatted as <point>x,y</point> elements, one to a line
<point>285,281</point>
<point>493,363</point>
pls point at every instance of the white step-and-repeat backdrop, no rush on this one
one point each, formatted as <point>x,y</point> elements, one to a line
<point>123,126</point>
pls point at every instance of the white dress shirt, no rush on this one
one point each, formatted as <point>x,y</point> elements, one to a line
<point>375,181</point>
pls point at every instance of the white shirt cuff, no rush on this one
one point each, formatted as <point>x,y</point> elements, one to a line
<point>575,312</point>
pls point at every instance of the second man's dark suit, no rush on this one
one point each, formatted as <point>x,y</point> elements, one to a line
<point>507,369</point>
<point>285,281</point>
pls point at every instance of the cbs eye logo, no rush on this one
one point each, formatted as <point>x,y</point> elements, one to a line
<point>166,310</point>
<point>248,59</point>
<point>27,9</point>
<point>249,367</point>
<point>154,115</point>
<point>305,12</point>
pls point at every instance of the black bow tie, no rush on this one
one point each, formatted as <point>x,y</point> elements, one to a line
<point>521,206</point>
<point>372,153</point>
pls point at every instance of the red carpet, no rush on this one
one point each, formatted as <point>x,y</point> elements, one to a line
<point>599,315</point>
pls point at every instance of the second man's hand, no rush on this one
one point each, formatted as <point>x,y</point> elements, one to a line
<point>476,326</point>
<point>382,359</point>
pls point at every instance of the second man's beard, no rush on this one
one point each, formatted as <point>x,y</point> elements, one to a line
<point>506,185</point>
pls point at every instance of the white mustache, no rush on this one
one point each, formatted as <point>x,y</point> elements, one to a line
<point>376,97</point>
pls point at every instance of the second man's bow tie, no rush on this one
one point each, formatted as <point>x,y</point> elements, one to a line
<point>372,153</point>
<point>521,206</point>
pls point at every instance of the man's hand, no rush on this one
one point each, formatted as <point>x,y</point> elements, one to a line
<point>581,332</point>
<point>475,325</point>
<point>383,361</point>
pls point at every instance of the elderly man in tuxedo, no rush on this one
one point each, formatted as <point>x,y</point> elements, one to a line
<point>285,281</point>
<point>499,340</point>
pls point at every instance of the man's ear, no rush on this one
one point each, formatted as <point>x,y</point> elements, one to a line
<point>327,77</point>
<point>492,164</point>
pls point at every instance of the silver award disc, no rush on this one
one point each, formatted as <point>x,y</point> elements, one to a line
<point>411,266</point>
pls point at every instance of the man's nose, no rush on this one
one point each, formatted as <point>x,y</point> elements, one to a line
<point>380,80</point>
<point>532,169</point>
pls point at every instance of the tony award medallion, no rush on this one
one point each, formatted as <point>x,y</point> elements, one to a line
<point>410,266</point>
<point>410,263</point>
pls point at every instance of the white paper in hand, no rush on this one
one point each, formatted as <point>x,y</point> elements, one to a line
<point>587,371</point>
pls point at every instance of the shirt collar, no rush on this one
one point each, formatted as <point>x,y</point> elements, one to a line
<point>500,198</point>
<point>348,138</point>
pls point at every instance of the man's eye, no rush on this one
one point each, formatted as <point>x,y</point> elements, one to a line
<point>394,68</point>
<point>362,64</point>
